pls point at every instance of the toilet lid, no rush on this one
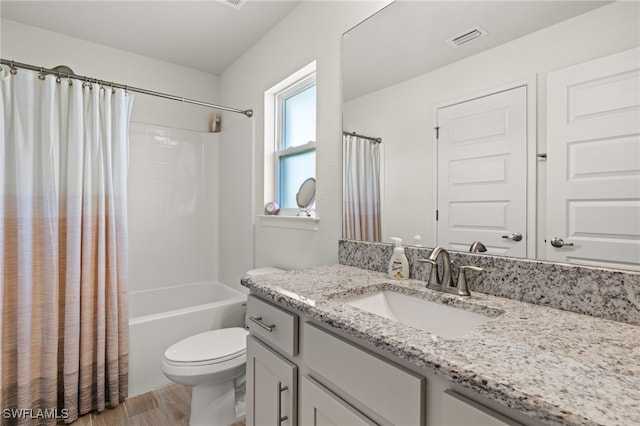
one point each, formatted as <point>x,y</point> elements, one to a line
<point>212,346</point>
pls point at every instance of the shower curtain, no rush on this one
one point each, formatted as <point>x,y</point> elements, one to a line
<point>361,194</point>
<point>63,245</point>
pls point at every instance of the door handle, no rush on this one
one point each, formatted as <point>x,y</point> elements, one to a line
<point>559,242</point>
<point>516,236</point>
<point>279,390</point>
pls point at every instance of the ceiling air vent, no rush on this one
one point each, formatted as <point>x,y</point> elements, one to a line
<point>467,36</point>
<point>236,4</point>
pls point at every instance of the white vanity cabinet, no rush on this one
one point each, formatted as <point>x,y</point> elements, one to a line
<point>312,375</point>
<point>272,380</point>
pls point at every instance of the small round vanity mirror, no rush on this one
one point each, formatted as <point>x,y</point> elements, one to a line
<point>305,196</point>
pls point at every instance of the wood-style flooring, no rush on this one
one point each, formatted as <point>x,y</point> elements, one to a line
<point>167,406</point>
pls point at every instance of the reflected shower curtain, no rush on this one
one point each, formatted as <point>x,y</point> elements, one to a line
<point>361,180</point>
<point>63,245</point>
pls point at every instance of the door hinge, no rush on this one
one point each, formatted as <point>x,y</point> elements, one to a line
<point>437,132</point>
<point>437,214</point>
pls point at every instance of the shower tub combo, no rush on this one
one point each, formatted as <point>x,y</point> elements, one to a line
<point>161,317</point>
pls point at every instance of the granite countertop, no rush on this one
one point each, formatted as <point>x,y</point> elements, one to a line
<point>556,366</point>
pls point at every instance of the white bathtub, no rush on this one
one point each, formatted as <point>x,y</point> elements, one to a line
<point>161,317</point>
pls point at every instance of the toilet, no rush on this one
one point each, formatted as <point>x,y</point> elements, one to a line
<point>213,363</point>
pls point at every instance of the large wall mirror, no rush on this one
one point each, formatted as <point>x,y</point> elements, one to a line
<point>514,123</point>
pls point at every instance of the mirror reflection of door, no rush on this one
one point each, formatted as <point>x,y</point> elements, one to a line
<point>482,170</point>
<point>593,147</point>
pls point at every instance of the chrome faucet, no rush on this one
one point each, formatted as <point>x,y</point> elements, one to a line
<point>434,277</point>
<point>446,284</point>
<point>477,246</point>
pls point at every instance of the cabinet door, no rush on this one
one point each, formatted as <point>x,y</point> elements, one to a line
<point>320,407</point>
<point>388,390</point>
<point>461,411</point>
<point>271,387</point>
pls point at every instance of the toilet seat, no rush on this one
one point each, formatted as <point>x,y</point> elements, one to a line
<point>208,348</point>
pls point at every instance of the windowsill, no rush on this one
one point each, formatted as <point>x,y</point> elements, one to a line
<point>291,222</point>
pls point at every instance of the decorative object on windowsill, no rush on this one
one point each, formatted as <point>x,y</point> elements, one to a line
<point>271,208</point>
<point>305,196</point>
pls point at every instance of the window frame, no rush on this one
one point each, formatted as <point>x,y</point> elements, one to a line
<point>279,152</point>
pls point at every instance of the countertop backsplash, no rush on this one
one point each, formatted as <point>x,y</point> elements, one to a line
<point>600,292</point>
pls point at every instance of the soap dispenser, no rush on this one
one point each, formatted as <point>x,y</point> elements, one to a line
<point>398,264</point>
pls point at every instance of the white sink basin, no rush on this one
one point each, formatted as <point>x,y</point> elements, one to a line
<point>441,320</point>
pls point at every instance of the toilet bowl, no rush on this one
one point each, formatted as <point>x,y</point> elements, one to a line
<point>213,363</point>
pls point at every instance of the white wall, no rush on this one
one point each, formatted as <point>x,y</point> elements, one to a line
<point>174,166</point>
<point>312,31</point>
<point>402,114</point>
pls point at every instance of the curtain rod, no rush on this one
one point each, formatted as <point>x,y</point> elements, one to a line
<point>377,140</point>
<point>42,70</point>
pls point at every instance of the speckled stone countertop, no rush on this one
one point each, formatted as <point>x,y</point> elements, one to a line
<point>556,366</point>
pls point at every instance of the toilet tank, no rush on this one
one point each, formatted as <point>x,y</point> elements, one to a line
<point>263,271</point>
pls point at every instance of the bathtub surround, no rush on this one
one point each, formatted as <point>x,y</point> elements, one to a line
<point>174,216</point>
<point>173,206</point>
<point>599,292</point>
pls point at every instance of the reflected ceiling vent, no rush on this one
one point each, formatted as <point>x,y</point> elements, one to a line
<point>236,4</point>
<point>468,36</point>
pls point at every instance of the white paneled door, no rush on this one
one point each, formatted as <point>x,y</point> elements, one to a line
<point>482,173</point>
<point>593,148</point>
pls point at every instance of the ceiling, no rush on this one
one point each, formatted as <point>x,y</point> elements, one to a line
<point>409,38</point>
<point>207,35</point>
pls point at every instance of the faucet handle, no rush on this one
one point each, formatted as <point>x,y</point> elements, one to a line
<point>473,268</point>
<point>463,287</point>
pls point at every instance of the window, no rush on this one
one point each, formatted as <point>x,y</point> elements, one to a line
<point>290,146</point>
<point>290,133</point>
<point>295,151</point>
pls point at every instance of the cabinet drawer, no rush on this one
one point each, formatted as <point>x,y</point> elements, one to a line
<point>392,392</point>
<point>273,325</point>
